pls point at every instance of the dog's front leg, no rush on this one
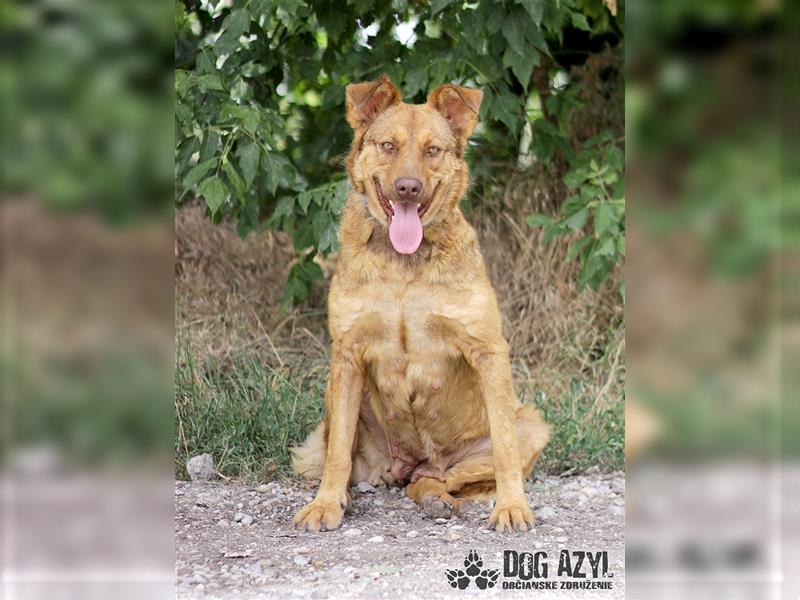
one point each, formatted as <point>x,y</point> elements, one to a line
<point>487,354</point>
<point>343,402</point>
<point>511,510</point>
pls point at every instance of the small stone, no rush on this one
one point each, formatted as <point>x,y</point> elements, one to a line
<point>243,518</point>
<point>222,523</point>
<point>378,501</point>
<point>263,488</point>
<point>300,560</point>
<point>352,532</point>
<point>441,521</point>
<point>618,485</point>
<point>200,468</point>
<point>561,539</point>
<point>455,537</point>
<point>302,550</point>
<point>366,488</point>
<point>412,534</point>
<point>545,513</point>
<point>407,505</point>
<point>378,539</point>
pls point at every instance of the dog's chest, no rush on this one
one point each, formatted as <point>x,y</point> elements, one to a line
<point>409,358</point>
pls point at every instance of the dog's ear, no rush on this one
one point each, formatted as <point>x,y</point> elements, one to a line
<point>459,106</point>
<point>365,101</point>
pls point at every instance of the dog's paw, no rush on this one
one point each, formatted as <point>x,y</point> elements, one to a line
<point>457,579</point>
<point>320,515</point>
<point>512,515</point>
<point>473,563</point>
<point>440,507</point>
<point>487,578</point>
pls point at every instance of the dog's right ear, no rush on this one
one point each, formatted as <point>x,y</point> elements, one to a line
<point>365,101</point>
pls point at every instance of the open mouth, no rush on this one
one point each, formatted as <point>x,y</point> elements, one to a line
<point>388,205</point>
<point>405,224</point>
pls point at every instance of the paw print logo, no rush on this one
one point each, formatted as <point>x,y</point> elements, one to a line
<point>473,571</point>
<point>487,578</point>
<point>457,578</point>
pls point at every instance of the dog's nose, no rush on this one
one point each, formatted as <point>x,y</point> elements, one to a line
<point>408,188</point>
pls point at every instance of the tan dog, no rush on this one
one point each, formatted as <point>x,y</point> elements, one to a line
<point>420,384</point>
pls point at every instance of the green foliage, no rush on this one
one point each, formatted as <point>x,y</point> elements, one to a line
<point>260,96</point>
<point>584,433</point>
<point>86,102</point>
<point>595,208</point>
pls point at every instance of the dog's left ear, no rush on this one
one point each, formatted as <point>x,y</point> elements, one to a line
<point>459,106</point>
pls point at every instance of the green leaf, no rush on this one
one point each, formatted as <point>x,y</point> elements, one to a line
<point>416,81</point>
<point>328,240</point>
<point>575,177</point>
<point>607,247</point>
<point>521,64</point>
<point>579,21</point>
<point>604,218</point>
<point>538,220</point>
<point>235,179</point>
<point>248,153</point>
<point>304,200</point>
<point>514,32</point>
<point>438,6</point>
<point>215,193</point>
<point>578,246</point>
<point>577,220</point>
<point>197,173</point>
<point>233,27</point>
<point>534,8</point>
<point>283,209</point>
<point>209,82</point>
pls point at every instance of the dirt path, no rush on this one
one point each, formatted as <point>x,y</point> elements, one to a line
<point>235,541</point>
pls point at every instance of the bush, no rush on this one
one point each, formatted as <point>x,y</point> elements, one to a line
<point>260,107</point>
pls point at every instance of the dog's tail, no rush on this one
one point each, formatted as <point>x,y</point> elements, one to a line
<point>308,459</point>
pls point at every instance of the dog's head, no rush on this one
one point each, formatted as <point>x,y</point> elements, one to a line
<point>408,159</point>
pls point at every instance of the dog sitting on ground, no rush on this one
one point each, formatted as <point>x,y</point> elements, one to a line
<point>419,392</point>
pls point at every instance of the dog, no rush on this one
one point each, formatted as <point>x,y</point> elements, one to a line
<point>419,392</point>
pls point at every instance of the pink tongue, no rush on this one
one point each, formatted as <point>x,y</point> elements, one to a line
<point>405,231</point>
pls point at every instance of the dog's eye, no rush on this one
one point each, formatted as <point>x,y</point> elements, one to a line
<point>387,147</point>
<point>433,150</point>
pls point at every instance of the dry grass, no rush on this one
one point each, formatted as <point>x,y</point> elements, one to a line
<point>228,292</point>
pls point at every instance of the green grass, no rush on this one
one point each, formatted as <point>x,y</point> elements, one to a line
<point>584,432</point>
<point>247,415</point>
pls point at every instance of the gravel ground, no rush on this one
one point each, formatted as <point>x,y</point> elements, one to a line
<point>236,541</point>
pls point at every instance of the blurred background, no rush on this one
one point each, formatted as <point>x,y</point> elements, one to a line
<point>107,118</point>
<point>86,106</point>
<point>712,331</point>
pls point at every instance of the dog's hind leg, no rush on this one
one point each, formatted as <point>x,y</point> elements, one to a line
<point>433,498</point>
<point>472,475</point>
